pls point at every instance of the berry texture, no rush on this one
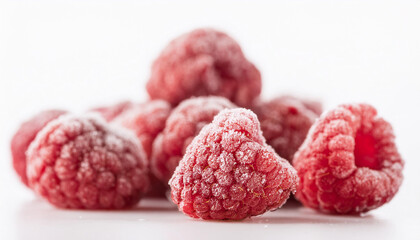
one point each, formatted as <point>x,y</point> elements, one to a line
<point>230,173</point>
<point>113,111</point>
<point>25,135</point>
<point>83,163</point>
<point>349,162</point>
<point>184,123</point>
<point>201,63</point>
<point>285,122</point>
<point>147,120</point>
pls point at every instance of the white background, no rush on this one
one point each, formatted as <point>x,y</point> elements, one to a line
<point>78,54</point>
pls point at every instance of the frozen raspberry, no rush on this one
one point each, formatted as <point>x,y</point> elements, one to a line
<point>204,62</point>
<point>349,162</point>
<point>147,120</point>
<point>184,123</point>
<point>113,111</point>
<point>285,122</point>
<point>25,135</point>
<point>81,162</point>
<point>229,172</point>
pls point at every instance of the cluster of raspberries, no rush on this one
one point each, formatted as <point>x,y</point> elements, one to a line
<point>206,137</point>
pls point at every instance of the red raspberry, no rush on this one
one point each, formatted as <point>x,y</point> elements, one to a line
<point>349,162</point>
<point>147,120</point>
<point>25,135</point>
<point>229,172</point>
<point>285,121</point>
<point>81,162</point>
<point>184,123</point>
<point>113,111</point>
<point>204,62</point>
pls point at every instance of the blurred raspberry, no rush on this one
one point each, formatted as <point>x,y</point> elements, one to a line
<point>157,189</point>
<point>285,121</point>
<point>81,162</point>
<point>184,123</point>
<point>25,135</point>
<point>147,120</point>
<point>313,105</point>
<point>349,162</point>
<point>204,62</point>
<point>113,111</point>
<point>229,172</point>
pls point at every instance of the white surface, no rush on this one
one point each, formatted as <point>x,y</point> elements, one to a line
<point>77,54</point>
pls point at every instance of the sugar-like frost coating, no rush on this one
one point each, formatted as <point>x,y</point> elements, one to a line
<point>183,124</point>
<point>229,172</point>
<point>349,162</point>
<point>201,63</point>
<point>81,162</point>
<point>24,137</point>
<point>285,121</point>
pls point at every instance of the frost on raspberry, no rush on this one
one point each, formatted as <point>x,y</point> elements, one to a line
<point>201,63</point>
<point>349,162</point>
<point>113,111</point>
<point>285,121</point>
<point>25,135</point>
<point>81,162</point>
<point>229,172</point>
<point>147,120</point>
<point>184,123</point>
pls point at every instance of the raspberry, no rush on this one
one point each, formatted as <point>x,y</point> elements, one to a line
<point>147,120</point>
<point>81,162</point>
<point>184,123</point>
<point>201,63</point>
<point>229,172</point>
<point>285,121</point>
<point>25,135</point>
<point>113,111</point>
<point>349,162</point>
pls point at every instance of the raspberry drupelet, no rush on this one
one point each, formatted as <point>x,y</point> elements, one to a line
<point>25,135</point>
<point>230,173</point>
<point>184,123</point>
<point>285,121</point>
<point>349,162</point>
<point>81,162</point>
<point>201,63</point>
